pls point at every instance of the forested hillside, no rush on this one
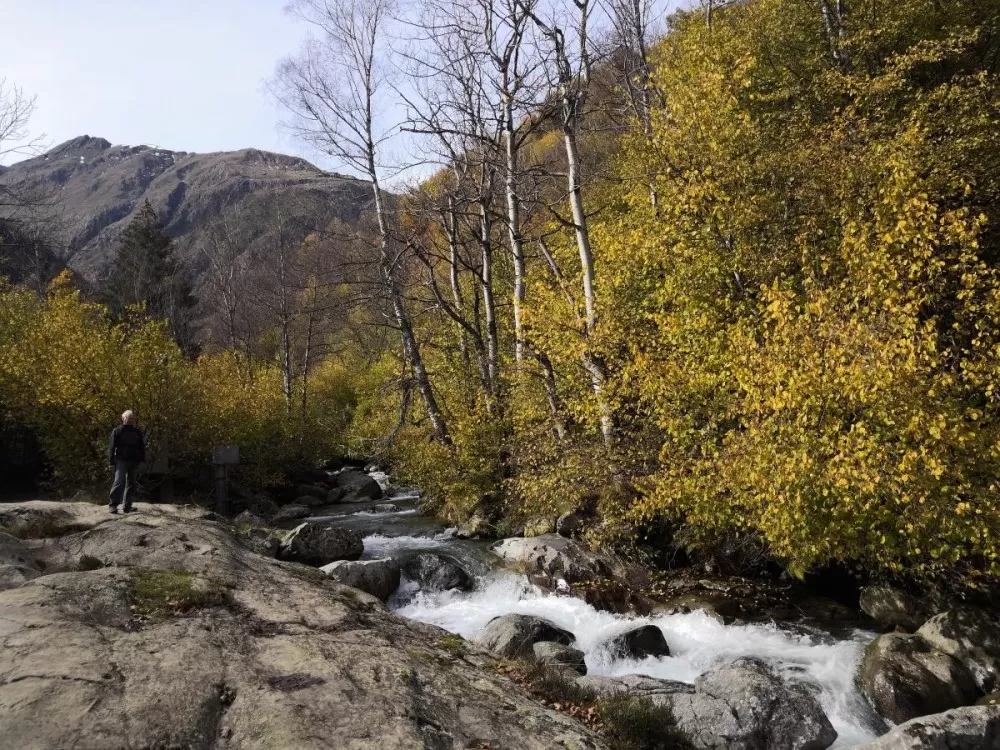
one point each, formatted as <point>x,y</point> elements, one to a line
<point>725,280</point>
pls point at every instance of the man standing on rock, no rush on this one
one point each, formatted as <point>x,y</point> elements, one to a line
<point>126,450</point>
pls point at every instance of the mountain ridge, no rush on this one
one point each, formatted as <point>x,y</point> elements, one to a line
<point>98,186</point>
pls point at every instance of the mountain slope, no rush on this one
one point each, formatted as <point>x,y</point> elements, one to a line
<point>97,188</point>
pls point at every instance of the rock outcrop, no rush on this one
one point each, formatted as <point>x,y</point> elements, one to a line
<point>187,638</point>
<point>292,512</point>
<point>968,728</point>
<point>904,677</point>
<point>376,577</point>
<point>514,636</point>
<point>742,705</point>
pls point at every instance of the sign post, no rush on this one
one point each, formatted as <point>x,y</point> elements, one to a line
<point>223,456</point>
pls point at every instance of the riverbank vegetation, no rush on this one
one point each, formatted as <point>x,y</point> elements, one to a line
<point>736,272</point>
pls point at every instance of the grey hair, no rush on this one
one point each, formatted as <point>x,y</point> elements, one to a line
<point>127,415</point>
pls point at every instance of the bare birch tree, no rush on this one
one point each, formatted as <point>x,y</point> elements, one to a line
<point>570,64</point>
<point>334,90</point>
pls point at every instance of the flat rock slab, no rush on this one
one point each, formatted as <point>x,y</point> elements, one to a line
<point>287,658</point>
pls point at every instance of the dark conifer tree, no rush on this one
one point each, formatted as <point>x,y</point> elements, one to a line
<point>146,271</point>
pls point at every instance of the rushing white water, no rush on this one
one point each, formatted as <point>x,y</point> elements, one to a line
<point>697,641</point>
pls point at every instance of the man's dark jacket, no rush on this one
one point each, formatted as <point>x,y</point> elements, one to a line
<point>126,444</point>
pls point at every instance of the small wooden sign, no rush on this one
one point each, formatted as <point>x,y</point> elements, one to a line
<point>226,454</point>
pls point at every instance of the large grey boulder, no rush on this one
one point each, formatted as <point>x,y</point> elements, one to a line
<point>966,728</point>
<point>973,637</point>
<point>904,677</point>
<point>17,562</point>
<point>552,555</point>
<point>742,705</point>
<point>514,636</point>
<point>436,572</point>
<point>376,577</point>
<point>359,484</point>
<point>560,657</point>
<point>276,658</point>
<point>893,608</point>
<point>316,544</point>
<point>638,643</point>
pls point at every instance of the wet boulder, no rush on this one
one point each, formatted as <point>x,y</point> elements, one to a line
<point>316,544</point>
<point>360,485</point>
<point>553,555</point>
<point>893,608</point>
<point>386,508</point>
<point>376,577</point>
<point>638,643</point>
<point>967,728</point>
<point>290,513</point>
<point>973,637</point>
<point>335,495</point>
<point>904,677</point>
<point>560,657</point>
<point>514,636</point>
<point>436,572</point>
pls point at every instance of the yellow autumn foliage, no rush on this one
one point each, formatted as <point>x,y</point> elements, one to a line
<point>67,371</point>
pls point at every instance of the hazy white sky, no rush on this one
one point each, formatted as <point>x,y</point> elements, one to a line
<point>185,75</point>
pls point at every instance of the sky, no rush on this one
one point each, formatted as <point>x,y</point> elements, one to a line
<point>184,75</point>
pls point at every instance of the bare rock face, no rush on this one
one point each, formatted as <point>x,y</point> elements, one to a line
<point>893,608</point>
<point>514,636</point>
<point>742,705</point>
<point>973,637</point>
<point>316,544</point>
<point>904,677</point>
<point>279,656</point>
<point>101,186</point>
<point>376,577</point>
<point>968,728</point>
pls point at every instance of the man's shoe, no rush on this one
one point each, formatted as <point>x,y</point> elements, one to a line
<point>114,509</point>
<point>128,509</point>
